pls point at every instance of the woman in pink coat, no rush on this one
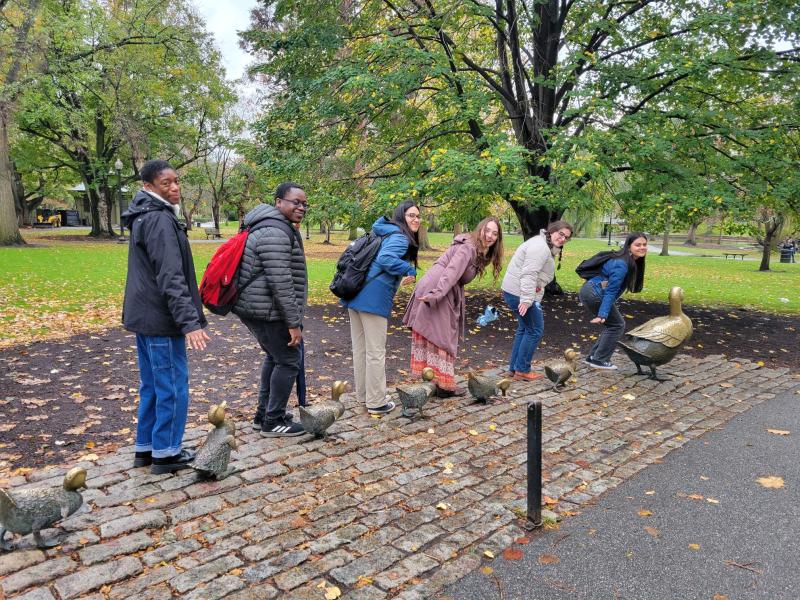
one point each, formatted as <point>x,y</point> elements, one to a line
<point>436,312</point>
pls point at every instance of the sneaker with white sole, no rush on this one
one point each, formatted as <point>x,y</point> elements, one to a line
<point>382,410</point>
<point>600,364</point>
<point>282,430</point>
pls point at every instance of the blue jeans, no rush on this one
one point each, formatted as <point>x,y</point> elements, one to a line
<point>163,394</point>
<point>528,335</point>
<point>613,328</point>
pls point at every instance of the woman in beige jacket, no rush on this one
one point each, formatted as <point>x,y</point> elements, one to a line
<point>531,268</point>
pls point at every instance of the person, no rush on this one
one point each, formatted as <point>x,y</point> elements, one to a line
<point>599,295</point>
<point>162,307</point>
<point>436,312</point>
<point>393,266</point>
<point>273,304</point>
<point>531,268</point>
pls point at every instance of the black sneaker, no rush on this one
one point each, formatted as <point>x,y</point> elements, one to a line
<point>282,430</point>
<point>257,424</point>
<point>142,459</point>
<point>600,364</point>
<point>170,464</point>
<point>382,410</point>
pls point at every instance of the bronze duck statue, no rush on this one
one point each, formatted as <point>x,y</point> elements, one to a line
<point>483,387</point>
<point>416,395</point>
<point>31,510</point>
<point>213,456</point>
<point>316,418</point>
<point>561,371</point>
<point>657,341</point>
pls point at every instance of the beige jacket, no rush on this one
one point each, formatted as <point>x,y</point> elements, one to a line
<point>531,268</point>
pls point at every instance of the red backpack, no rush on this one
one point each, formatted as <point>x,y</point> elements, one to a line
<point>218,288</point>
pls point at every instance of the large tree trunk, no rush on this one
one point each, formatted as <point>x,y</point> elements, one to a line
<point>691,236</point>
<point>328,225</point>
<point>422,236</point>
<point>353,233</point>
<point>665,243</point>
<point>109,202</point>
<point>457,229</point>
<point>771,228</point>
<point>94,211</point>
<point>215,210</point>
<point>9,228</point>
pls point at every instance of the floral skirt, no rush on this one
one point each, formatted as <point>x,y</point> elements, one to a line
<point>426,354</point>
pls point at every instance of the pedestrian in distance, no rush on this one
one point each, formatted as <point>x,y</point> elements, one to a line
<point>394,265</point>
<point>162,307</point>
<point>272,304</point>
<point>436,312</point>
<point>531,268</point>
<point>624,270</point>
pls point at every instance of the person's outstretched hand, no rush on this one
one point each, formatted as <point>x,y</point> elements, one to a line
<point>197,339</point>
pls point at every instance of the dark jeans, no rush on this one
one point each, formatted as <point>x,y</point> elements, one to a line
<point>163,394</point>
<point>613,328</point>
<point>528,335</point>
<point>278,372</point>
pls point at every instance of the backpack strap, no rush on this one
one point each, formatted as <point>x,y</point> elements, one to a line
<point>383,237</point>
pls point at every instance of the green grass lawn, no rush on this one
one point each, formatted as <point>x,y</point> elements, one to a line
<point>57,288</point>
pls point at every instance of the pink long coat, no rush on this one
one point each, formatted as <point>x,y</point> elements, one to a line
<point>443,320</point>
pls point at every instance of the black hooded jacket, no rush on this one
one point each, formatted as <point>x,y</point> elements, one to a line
<point>161,296</point>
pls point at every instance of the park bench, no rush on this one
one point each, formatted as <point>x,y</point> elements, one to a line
<point>733,255</point>
<point>212,232</point>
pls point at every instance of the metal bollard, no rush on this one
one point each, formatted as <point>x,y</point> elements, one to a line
<point>534,516</point>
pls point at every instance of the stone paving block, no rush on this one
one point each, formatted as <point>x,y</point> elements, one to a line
<point>93,516</point>
<point>297,576</point>
<point>135,587</point>
<point>262,591</point>
<point>160,500</point>
<point>416,539</point>
<point>212,487</point>
<point>332,507</point>
<point>37,574</point>
<point>92,578</point>
<point>203,573</point>
<point>37,594</point>
<point>124,545</point>
<point>270,567</point>
<point>368,592</point>
<point>152,519</point>
<point>129,494</point>
<point>259,473</point>
<point>170,551</point>
<point>195,508</point>
<point>411,567</point>
<point>16,561</point>
<point>219,588</point>
<point>367,566</point>
<point>341,536</point>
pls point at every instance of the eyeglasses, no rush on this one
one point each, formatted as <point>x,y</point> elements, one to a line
<point>413,217</point>
<point>295,202</point>
<point>563,235</point>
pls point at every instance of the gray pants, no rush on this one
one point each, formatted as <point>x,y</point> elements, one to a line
<point>613,328</point>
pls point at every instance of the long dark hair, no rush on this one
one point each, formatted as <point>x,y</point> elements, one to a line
<point>634,281</point>
<point>494,254</point>
<point>399,219</point>
<point>552,228</point>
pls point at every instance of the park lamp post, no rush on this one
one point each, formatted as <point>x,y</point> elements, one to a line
<point>118,168</point>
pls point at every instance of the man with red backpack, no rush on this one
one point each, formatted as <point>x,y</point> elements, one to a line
<point>272,303</point>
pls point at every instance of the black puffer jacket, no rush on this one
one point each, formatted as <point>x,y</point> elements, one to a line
<point>280,290</point>
<point>161,296</point>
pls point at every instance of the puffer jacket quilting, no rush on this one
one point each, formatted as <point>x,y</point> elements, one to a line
<point>280,292</point>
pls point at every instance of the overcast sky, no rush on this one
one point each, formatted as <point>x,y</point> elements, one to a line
<point>224,20</point>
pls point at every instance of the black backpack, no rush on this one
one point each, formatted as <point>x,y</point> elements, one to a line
<point>353,265</point>
<point>593,266</point>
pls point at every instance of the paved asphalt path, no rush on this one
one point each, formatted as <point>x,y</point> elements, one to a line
<point>733,539</point>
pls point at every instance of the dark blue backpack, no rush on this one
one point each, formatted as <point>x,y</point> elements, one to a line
<point>593,266</point>
<point>353,266</point>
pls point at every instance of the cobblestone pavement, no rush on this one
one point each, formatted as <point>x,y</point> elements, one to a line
<point>385,507</point>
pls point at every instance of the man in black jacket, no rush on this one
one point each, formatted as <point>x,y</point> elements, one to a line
<point>162,306</point>
<point>272,306</point>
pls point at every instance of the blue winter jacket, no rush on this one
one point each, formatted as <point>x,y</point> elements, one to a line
<point>614,271</point>
<point>385,272</point>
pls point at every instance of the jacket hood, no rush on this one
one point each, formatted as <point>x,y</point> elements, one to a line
<point>384,226</point>
<point>462,238</point>
<point>142,203</point>
<point>263,211</point>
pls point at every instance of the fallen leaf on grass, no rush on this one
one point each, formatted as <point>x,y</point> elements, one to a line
<point>779,431</point>
<point>548,559</point>
<point>771,481</point>
<point>512,554</point>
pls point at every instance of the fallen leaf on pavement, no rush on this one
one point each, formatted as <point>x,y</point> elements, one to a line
<point>712,500</point>
<point>771,481</point>
<point>779,431</point>
<point>488,554</point>
<point>694,546</point>
<point>653,531</point>
<point>332,593</point>
<point>487,570</point>
<point>720,597</point>
<point>643,512</point>
<point>548,559</point>
<point>512,554</point>
<point>522,541</point>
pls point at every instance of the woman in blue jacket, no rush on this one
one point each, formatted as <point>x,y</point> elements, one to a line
<point>369,311</point>
<point>599,295</point>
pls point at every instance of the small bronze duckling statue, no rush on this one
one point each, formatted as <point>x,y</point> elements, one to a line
<point>31,510</point>
<point>483,387</point>
<point>316,418</point>
<point>415,396</point>
<point>212,458</point>
<point>561,371</point>
<point>657,341</point>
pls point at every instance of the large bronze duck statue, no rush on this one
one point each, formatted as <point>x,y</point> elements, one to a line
<point>483,387</point>
<point>657,341</point>
<point>561,371</point>
<point>316,418</point>
<point>416,395</point>
<point>212,458</point>
<point>31,510</point>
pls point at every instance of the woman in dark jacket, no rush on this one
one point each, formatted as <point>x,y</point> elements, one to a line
<point>369,311</point>
<point>623,271</point>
